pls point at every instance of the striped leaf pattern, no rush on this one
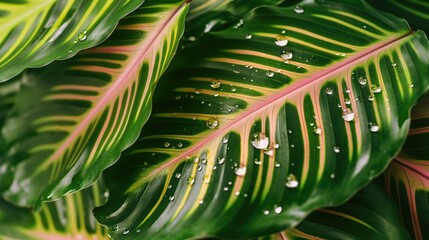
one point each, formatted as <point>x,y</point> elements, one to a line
<point>8,92</point>
<point>370,214</point>
<point>34,33</point>
<point>249,134</point>
<point>73,118</point>
<point>407,178</point>
<point>68,218</point>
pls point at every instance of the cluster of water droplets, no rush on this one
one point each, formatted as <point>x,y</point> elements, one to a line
<point>81,37</point>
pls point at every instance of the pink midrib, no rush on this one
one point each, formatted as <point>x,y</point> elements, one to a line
<point>121,80</point>
<point>410,167</point>
<point>332,70</point>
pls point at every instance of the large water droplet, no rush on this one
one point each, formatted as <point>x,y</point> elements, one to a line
<point>299,9</point>
<point>291,181</point>
<point>82,36</point>
<point>362,80</point>
<point>190,181</point>
<point>215,84</point>
<point>348,115</point>
<point>212,123</point>
<point>260,141</point>
<point>286,55</point>
<point>373,127</point>
<point>240,171</point>
<point>278,209</point>
<point>281,41</point>
<point>269,74</point>
<point>375,88</point>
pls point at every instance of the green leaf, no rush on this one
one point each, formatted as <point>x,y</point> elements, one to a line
<point>68,218</point>
<point>73,118</point>
<point>8,92</point>
<point>34,33</point>
<point>415,11</point>
<point>370,214</point>
<point>407,178</point>
<point>317,122</point>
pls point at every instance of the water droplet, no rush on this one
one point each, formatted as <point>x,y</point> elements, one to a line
<point>126,231</point>
<point>375,88</point>
<point>239,23</point>
<point>347,101</point>
<point>70,51</point>
<point>216,95</point>
<point>269,152</point>
<point>281,41</point>
<point>347,90</point>
<point>411,85</point>
<point>225,140</point>
<point>220,160</point>
<point>373,127</point>
<point>215,84</point>
<point>190,181</point>
<point>240,171</point>
<point>332,175</point>
<point>257,161</point>
<point>291,181</point>
<point>171,198</point>
<point>177,175</point>
<point>278,209</point>
<point>248,36</point>
<point>299,9</point>
<point>276,145</point>
<point>277,164</point>
<point>266,212</point>
<point>199,168</point>
<point>336,149</point>
<point>286,55</point>
<point>166,144</point>
<point>317,130</point>
<point>82,36</point>
<point>179,144</point>
<point>260,141</point>
<point>348,115</point>
<point>212,123</point>
<point>362,81</point>
<point>206,179</point>
<point>269,74</point>
<point>289,131</point>
<point>233,89</point>
<point>197,91</point>
<point>329,91</point>
<point>393,64</point>
<point>225,189</point>
<point>196,160</point>
<point>371,98</point>
<point>201,202</point>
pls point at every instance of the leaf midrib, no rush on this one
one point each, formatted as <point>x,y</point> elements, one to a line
<point>332,70</point>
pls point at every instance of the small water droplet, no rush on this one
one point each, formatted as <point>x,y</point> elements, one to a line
<point>257,161</point>
<point>278,209</point>
<point>291,181</point>
<point>215,84</point>
<point>411,85</point>
<point>248,36</point>
<point>332,175</point>
<point>70,51</point>
<point>233,89</point>
<point>199,168</point>
<point>317,130</point>
<point>82,36</point>
<point>220,160</point>
<point>216,95</point>
<point>212,123</point>
<point>201,202</point>
<point>393,64</point>
<point>269,73</point>
<point>266,212</point>
<point>260,141</point>
<point>347,90</point>
<point>240,171</point>
<point>375,88</point>
<point>277,164</point>
<point>289,131</point>
<point>171,198</point>
<point>225,189</point>
<point>347,101</point>
<point>206,179</point>
<point>126,231</point>
<point>179,144</point>
<point>269,152</point>
<point>371,98</point>
<point>329,91</point>
<point>348,115</point>
<point>373,127</point>
<point>336,149</point>
<point>197,91</point>
<point>177,175</point>
<point>239,24</point>
<point>281,41</point>
<point>225,140</point>
<point>190,181</point>
<point>286,55</point>
<point>362,80</point>
<point>276,145</point>
<point>299,9</point>
<point>167,144</point>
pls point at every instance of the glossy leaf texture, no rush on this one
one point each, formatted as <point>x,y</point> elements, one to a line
<point>415,11</point>
<point>8,92</point>
<point>370,214</point>
<point>68,218</point>
<point>34,33</point>
<point>73,118</point>
<point>407,178</point>
<point>207,15</point>
<point>250,134</point>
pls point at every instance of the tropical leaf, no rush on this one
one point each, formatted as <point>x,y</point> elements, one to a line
<point>407,177</point>
<point>68,218</point>
<point>415,11</point>
<point>34,33</point>
<point>8,91</point>
<point>73,118</point>
<point>207,15</point>
<point>249,134</point>
<point>370,214</point>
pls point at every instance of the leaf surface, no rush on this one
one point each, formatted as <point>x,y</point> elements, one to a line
<point>34,33</point>
<point>242,125</point>
<point>73,118</point>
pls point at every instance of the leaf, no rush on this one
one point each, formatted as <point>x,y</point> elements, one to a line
<point>414,11</point>
<point>34,33</point>
<point>407,178</point>
<point>194,171</point>
<point>73,118</point>
<point>370,214</point>
<point>68,218</point>
<point>8,92</point>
